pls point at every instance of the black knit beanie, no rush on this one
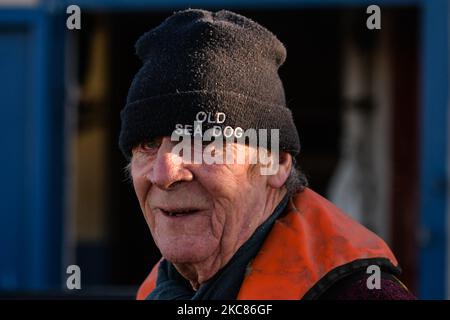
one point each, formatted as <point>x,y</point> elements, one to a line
<point>215,62</point>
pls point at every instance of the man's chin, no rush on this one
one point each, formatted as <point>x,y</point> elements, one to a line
<point>183,258</point>
<point>188,256</point>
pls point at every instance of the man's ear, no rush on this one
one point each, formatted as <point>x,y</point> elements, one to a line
<point>278,179</point>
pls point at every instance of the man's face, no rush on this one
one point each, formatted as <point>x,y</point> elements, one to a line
<point>197,211</point>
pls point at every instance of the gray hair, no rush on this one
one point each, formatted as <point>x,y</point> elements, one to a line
<point>297,181</point>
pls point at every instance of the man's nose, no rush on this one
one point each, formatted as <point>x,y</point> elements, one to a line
<point>168,168</point>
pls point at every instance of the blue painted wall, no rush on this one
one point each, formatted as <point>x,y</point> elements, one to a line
<point>31,114</point>
<point>434,137</point>
<point>14,66</point>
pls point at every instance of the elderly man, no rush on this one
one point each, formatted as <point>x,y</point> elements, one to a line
<point>230,229</point>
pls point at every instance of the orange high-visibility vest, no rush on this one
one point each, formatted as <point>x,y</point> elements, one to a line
<point>310,247</point>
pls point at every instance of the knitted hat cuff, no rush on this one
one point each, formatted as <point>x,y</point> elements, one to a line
<point>157,116</point>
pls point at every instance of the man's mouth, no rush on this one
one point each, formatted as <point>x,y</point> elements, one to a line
<point>179,212</point>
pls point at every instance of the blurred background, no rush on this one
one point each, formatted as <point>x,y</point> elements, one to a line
<point>371,107</point>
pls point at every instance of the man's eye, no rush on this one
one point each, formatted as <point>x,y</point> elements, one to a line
<point>150,146</point>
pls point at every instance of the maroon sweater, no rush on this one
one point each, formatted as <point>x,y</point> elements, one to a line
<point>355,288</point>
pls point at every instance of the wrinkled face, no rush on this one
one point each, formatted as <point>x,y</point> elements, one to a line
<point>196,211</point>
